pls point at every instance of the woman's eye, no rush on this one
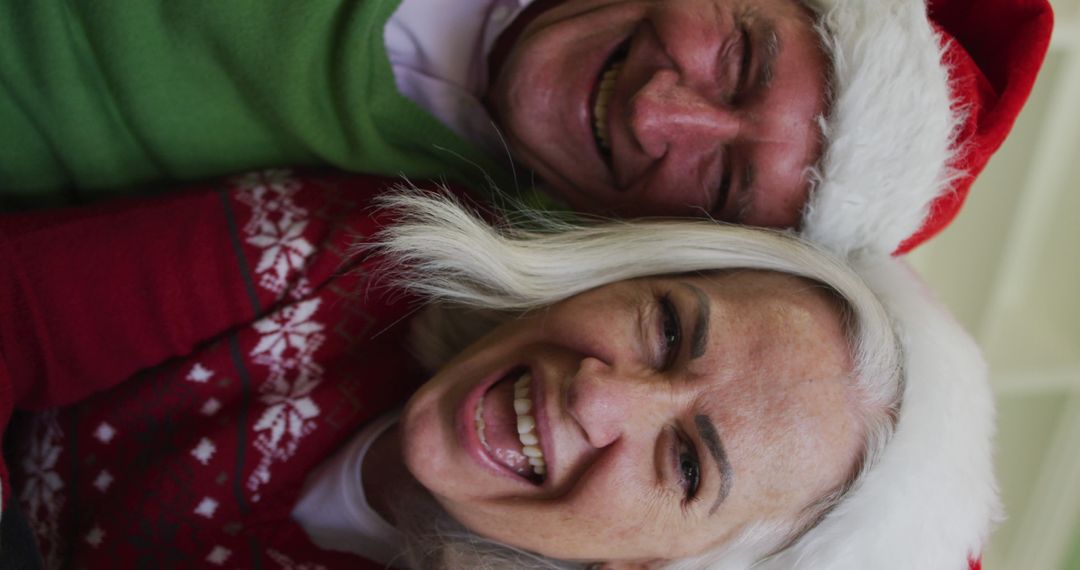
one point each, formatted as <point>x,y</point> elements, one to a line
<point>670,331</point>
<point>689,470</point>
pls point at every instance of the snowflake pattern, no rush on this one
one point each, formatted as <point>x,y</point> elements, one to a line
<point>290,327</point>
<point>206,507</point>
<point>269,193</point>
<point>287,563</point>
<point>289,416</point>
<point>276,226</point>
<point>43,483</point>
<point>289,407</point>
<point>282,408</point>
<point>104,432</point>
<point>103,480</point>
<point>199,374</point>
<point>204,451</point>
<point>218,555</point>
<point>95,537</point>
<point>289,337</point>
<point>42,494</point>
<point>284,251</point>
<point>210,407</point>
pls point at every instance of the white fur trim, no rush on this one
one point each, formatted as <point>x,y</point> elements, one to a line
<point>889,133</point>
<point>931,500</point>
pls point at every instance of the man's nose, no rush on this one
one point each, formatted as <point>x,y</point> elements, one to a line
<point>608,404</point>
<point>665,113</point>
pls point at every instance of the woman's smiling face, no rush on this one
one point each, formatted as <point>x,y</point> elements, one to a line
<point>667,414</point>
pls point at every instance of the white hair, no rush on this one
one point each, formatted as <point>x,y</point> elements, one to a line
<point>475,274</point>
<point>889,135</point>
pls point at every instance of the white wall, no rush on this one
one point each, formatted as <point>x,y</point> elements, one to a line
<point>1009,267</point>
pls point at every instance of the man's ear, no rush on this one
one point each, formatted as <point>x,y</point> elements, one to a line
<point>625,565</point>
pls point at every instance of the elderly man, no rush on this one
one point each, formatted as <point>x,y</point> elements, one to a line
<point>697,106</point>
<point>863,123</point>
<point>823,114</point>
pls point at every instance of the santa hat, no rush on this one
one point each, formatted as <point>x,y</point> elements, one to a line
<point>921,97</point>
<point>931,499</point>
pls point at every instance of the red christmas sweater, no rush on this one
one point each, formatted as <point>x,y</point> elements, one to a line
<point>193,358</point>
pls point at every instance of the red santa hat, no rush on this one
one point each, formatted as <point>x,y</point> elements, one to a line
<point>931,499</point>
<point>922,96</point>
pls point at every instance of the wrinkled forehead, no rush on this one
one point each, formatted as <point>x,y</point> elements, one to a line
<point>776,341</point>
<point>782,346</point>
<point>777,311</point>
<point>783,371</point>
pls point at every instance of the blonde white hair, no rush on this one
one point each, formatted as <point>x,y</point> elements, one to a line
<point>475,274</point>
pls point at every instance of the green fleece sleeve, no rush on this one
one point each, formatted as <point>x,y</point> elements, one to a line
<point>99,97</point>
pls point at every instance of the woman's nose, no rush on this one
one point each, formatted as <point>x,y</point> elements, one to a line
<point>664,113</point>
<point>608,404</point>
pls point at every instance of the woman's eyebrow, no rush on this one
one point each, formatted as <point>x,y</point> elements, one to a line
<point>699,337</point>
<point>707,431</point>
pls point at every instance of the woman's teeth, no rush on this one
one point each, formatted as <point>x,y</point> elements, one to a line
<point>526,425</point>
<point>600,108</point>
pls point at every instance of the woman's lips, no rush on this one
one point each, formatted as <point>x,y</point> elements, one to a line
<point>507,428</point>
<point>498,425</point>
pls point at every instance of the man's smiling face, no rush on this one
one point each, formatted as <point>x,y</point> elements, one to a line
<point>668,107</point>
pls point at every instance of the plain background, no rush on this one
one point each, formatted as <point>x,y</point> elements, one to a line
<point>1009,268</point>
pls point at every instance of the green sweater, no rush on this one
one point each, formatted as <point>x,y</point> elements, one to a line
<point>102,97</point>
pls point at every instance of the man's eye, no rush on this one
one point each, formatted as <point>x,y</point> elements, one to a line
<point>689,470</point>
<point>719,207</point>
<point>745,63</point>
<point>670,331</point>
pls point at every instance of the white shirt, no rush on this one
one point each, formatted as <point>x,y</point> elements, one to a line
<point>333,509</point>
<point>438,51</point>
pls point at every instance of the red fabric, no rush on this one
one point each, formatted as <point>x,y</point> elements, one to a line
<point>975,564</point>
<point>994,49</point>
<point>212,348</point>
<point>81,286</point>
<point>215,347</point>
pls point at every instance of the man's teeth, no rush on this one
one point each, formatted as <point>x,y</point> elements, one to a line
<point>526,424</point>
<point>603,97</point>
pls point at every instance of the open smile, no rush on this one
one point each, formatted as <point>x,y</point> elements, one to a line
<point>600,99</point>
<point>505,424</point>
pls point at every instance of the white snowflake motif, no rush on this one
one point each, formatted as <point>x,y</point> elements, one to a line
<point>206,508</point>
<point>284,250</point>
<point>204,451</point>
<point>218,555</point>
<point>289,408</point>
<point>288,564</point>
<point>268,192</point>
<point>276,226</point>
<point>41,490</point>
<point>103,481</point>
<point>42,493</point>
<point>290,327</point>
<point>104,432</point>
<point>95,536</point>
<point>210,407</point>
<point>199,374</point>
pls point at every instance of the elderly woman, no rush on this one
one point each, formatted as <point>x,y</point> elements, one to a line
<point>663,395</point>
